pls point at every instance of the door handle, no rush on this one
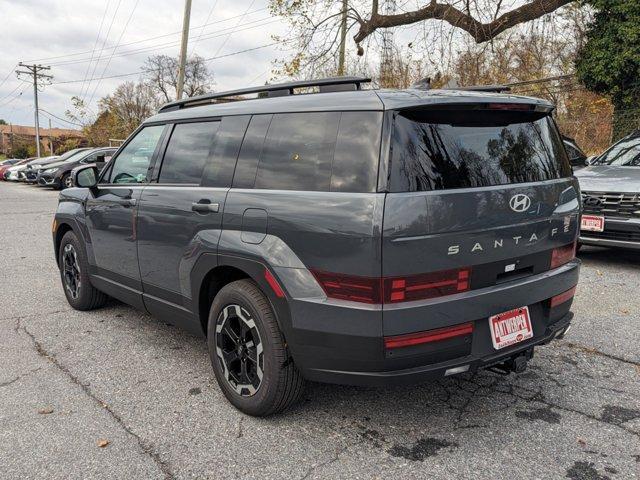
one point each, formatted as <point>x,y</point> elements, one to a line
<point>205,207</point>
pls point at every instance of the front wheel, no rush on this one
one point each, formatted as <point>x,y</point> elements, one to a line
<point>66,181</point>
<point>74,272</point>
<point>248,352</point>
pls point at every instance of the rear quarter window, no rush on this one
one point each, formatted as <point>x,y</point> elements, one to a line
<point>437,150</point>
<point>319,151</point>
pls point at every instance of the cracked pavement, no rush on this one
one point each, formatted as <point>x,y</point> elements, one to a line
<point>69,380</point>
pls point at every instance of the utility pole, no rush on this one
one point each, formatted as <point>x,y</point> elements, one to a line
<point>183,48</point>
<point>34,72</point>
<point>343,37</point>
<point>386,57</point>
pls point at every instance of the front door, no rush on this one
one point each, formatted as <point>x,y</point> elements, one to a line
<point>111,210</point>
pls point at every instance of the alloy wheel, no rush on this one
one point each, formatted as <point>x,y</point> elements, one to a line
<point>68,181</point>
<point>71,270</point>
<point>239,350</point>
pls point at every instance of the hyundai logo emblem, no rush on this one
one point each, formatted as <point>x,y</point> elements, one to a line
<point>592,201</point>
<point>520,203</point>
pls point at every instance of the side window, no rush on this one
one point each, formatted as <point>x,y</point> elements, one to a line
<point>131,165</point>
<point>298,152</point>
<point>187,152</point>
<point>245,176</point>
<point>355,161</point>
<point>219,171</point>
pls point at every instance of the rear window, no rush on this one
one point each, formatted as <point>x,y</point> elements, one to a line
<point>437,150</point>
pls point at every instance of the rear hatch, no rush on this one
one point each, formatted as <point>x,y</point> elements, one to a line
<point>480,195</point>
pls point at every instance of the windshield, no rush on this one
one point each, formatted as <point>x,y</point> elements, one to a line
<point>72,153</point>
<point>625,152</point>
<point>438,150</point>
<point>75,157</point>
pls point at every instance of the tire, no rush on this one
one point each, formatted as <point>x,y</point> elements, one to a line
<point>85,296</point>
<point>242,307</point>
<point>65,182</point>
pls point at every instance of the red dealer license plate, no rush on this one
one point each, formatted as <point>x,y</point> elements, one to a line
<point>510,327</point>
<point>592,223</point>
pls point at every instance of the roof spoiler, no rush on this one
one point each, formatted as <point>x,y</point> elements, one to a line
<point>332,84</point>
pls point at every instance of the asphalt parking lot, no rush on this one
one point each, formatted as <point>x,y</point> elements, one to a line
<point>115,394</point>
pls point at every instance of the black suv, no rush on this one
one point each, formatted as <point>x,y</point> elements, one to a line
<point>351,236</point>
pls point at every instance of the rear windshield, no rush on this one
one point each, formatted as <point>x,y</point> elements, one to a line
<point>437,150</point>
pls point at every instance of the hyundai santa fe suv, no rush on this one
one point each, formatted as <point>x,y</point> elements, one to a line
<point>367,237</point>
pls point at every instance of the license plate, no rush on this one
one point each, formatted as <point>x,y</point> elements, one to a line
<point>592,223</point>
<point>509,328</point>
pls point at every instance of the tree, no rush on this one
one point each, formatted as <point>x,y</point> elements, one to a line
<point>119,113</point>
<point>2,121</point>
<point>609,61</point>
<point>315,25</point>
<point>161,74</point>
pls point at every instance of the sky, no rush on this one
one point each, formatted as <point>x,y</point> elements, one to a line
<point>63,34</point>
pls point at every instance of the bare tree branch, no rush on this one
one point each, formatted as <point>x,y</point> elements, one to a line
<point>481,32</point>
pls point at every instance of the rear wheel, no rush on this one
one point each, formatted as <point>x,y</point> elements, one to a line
<point>74,272</point>
<point>248,352</point>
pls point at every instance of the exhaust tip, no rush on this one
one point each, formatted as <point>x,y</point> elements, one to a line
<point>456,370</point>
<point>562,333</point>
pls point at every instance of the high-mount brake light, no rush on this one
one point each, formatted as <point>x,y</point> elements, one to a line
<point>521,107</point>
<point>394,289</point>
<point>562,255</point>
<point>439,334</point>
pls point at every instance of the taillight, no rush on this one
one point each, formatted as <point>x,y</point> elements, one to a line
<point>409,339</point>
<point>425,286</point>
<point>562,297</point>
<point>562,255</point>
<point>349,287</point>
<point>393,289</point>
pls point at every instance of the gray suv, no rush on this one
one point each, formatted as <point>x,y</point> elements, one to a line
<point>326,232</point>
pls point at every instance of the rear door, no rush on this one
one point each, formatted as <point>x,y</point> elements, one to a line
<point>180,212</point>
<point>478,197</point>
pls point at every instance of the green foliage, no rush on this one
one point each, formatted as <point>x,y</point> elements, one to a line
<point>609,62</point>
<point>3,122</point>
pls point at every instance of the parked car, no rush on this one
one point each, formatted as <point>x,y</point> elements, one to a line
<point>31,172</point>
<point>26,174</point>
<point>577,158</point>
<point>11,173</point>
<point>5,164</point>
<point>611,196</point>
<point>58,175</point>
<point>350,236</point>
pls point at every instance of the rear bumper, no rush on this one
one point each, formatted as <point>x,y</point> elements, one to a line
<point>622,233</point>
<point>342,344</point>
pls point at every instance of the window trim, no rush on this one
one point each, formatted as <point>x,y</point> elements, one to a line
<point>164,145</point>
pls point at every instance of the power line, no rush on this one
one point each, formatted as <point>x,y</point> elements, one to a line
<point>11,100</point>
<point>206,60</point>
<point>144,39</point>
<point>234,28</point>
<point>106,37</point>
<point>95,44</point>
<point>59,118</point>
<point>124,29</point>
<point>8,75</point>
<point>150,48</point>
<point>213,6</point>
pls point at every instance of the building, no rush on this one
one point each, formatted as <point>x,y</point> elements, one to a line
<point>11,136</point>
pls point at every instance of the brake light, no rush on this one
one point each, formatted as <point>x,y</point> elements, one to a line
<point>562,297</point>
<point>349,287</point>
<point>511,106</point>
<point>393,289</point>
<point>410,339</point>
<point>562,255</point>
<point>428,285</point>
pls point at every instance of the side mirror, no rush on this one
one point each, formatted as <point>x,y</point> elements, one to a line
<point>100,158</point>
<point>85,177</point>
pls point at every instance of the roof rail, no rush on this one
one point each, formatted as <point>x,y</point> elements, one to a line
<point>483,88</point>
<point>331,84</point>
